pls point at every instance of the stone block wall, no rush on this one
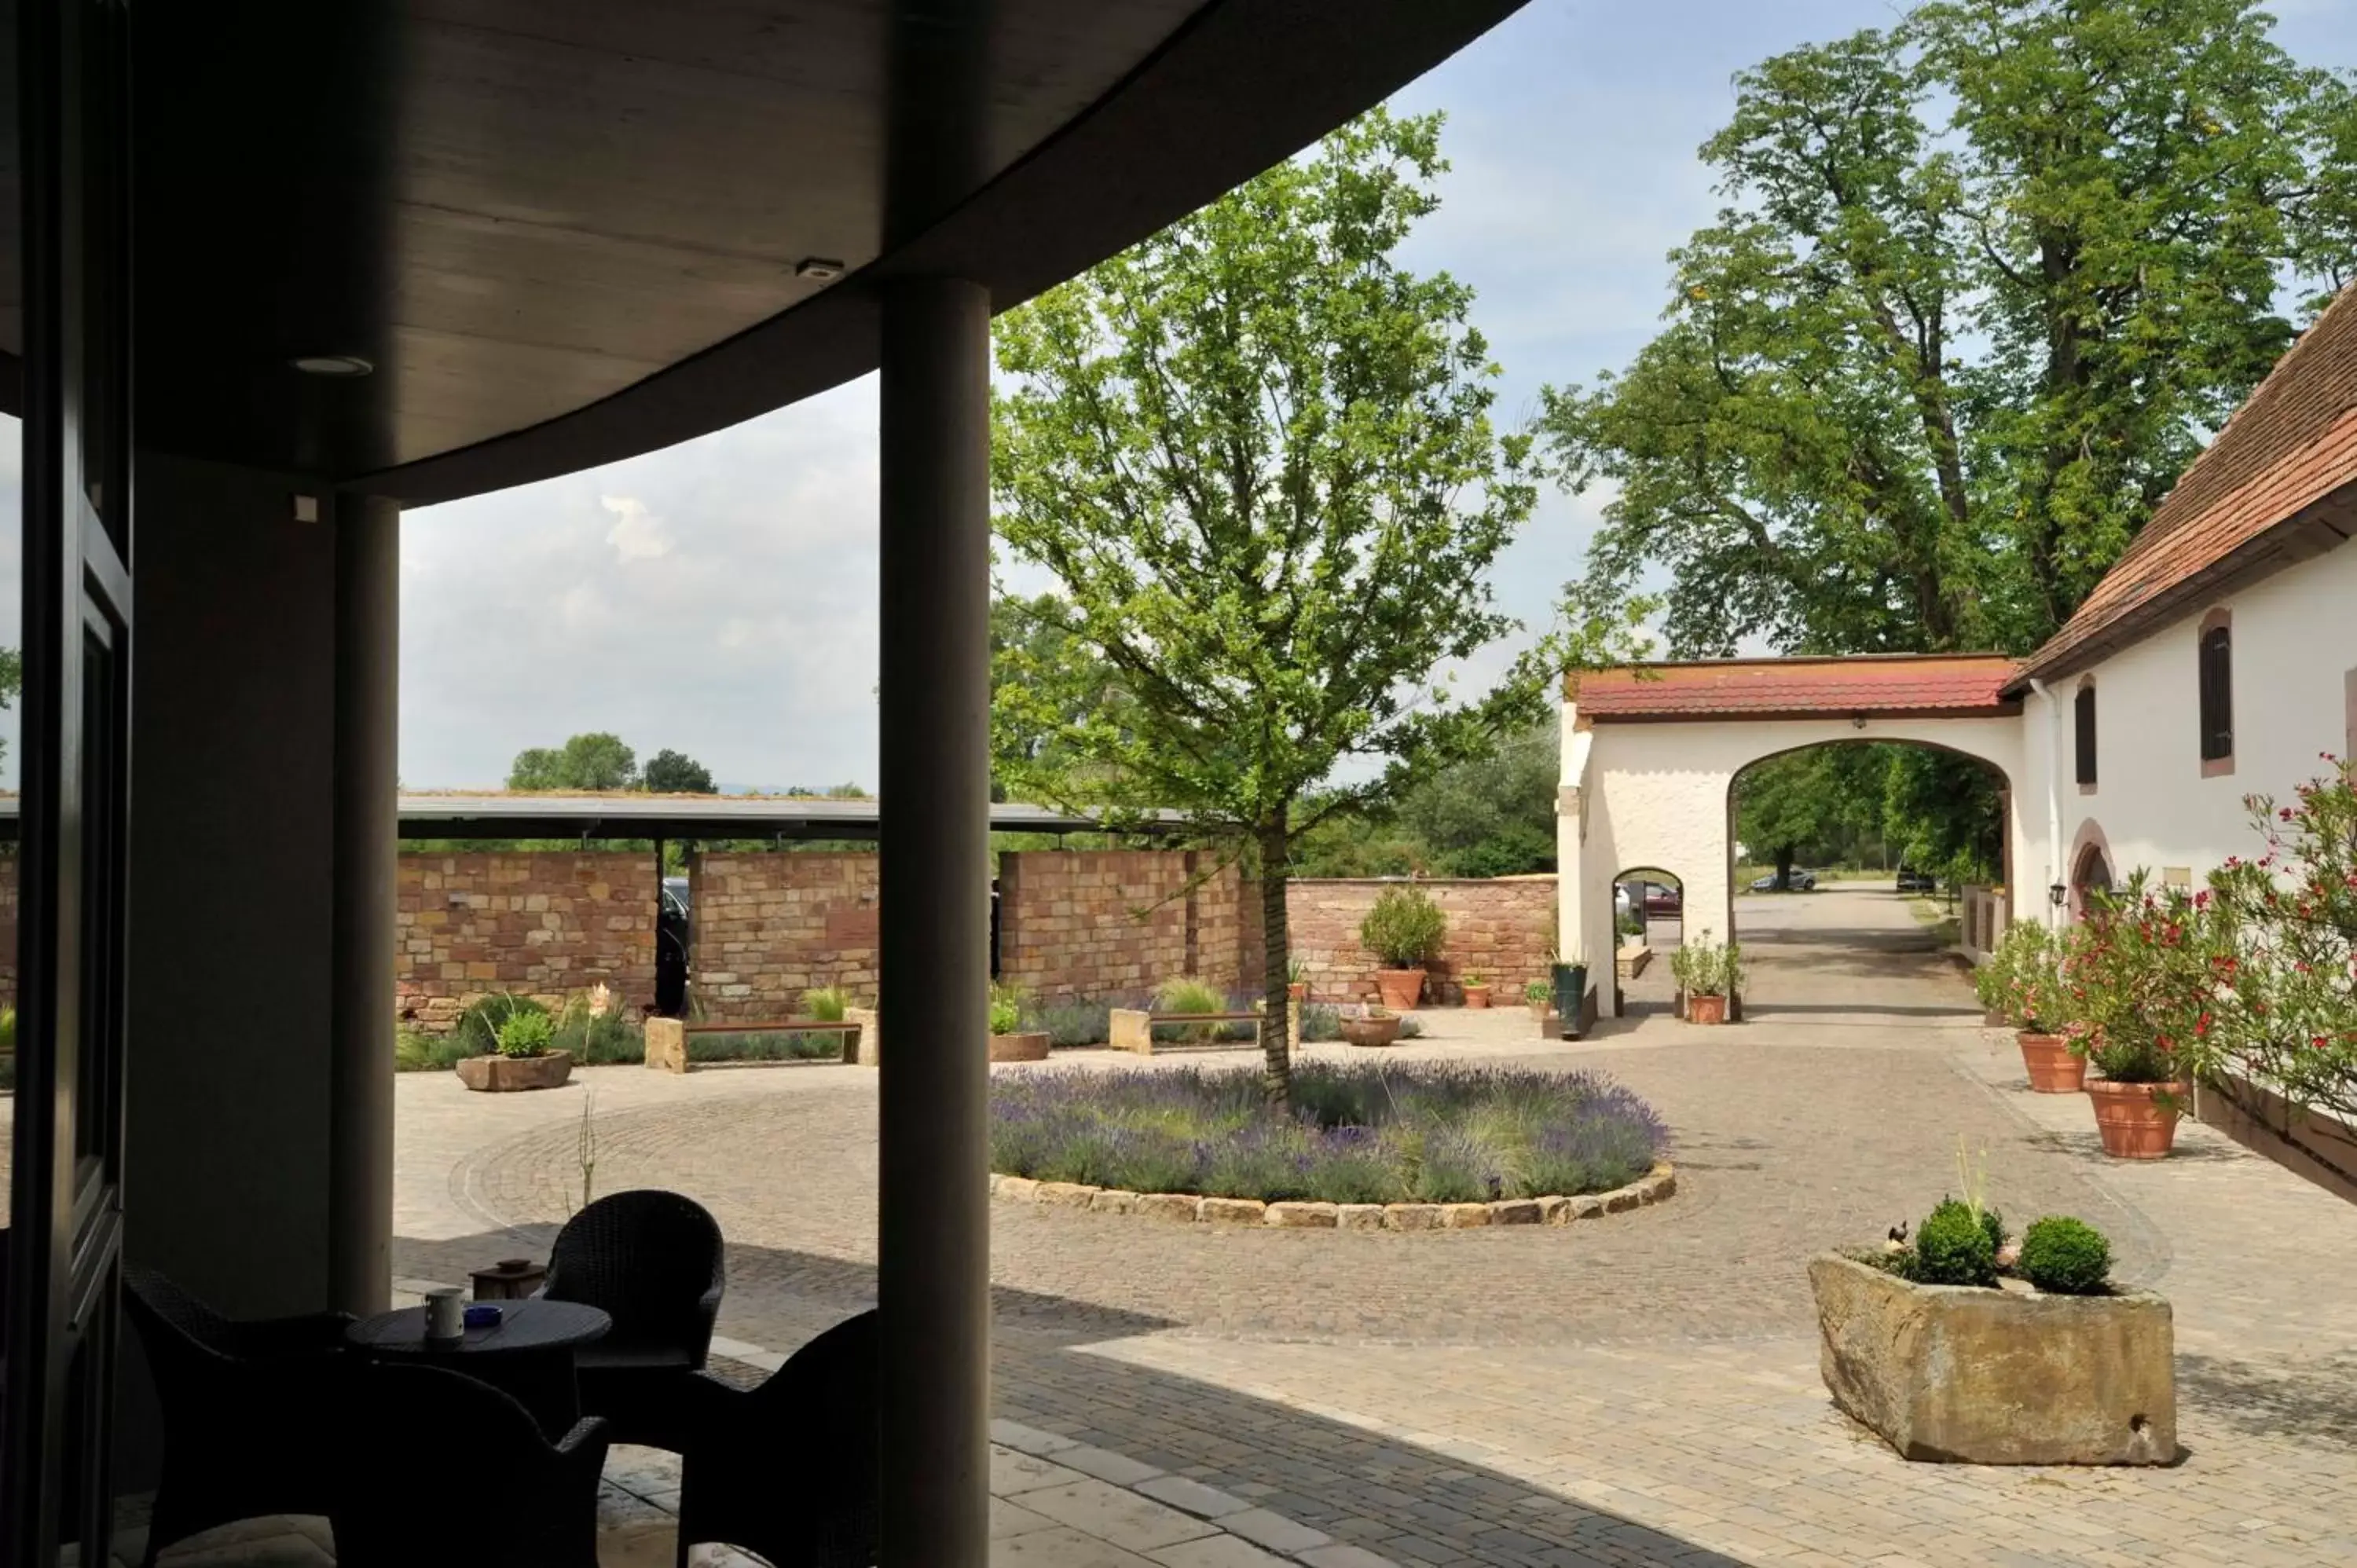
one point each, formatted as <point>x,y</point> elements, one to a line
<point>1499,929</point>
<point>1117,923</point>
<point>549,924</point>
<point>766,928</point>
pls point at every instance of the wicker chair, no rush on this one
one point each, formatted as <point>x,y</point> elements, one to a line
<point>244,1408</point>
<point>790,1470</point>
<point>442,1468</point>
<point>653,1261</point>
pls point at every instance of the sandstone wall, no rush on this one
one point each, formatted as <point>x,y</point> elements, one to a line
<point>549,924</point>
<point>766,927</point>
<point>1117,923</point>
<point>1499,929</point>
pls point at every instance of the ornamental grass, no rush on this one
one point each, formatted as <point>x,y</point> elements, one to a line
<point>1356,1134</point>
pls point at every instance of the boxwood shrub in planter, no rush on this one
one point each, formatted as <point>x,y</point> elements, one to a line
<point>1403,931</point>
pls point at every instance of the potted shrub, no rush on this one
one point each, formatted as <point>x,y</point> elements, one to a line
<point>1296,980</point>
<point>1707,975</point>
<point>1403,931</point>
<point>523,1059</point>
<point>2022,982</point>
<point>1372,1025</point>
<point>1477,991</point>
<point>1960,1349</point>
<point>1010,1041</point>
<point>2143,989</point>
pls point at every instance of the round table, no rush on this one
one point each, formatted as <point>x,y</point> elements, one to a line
<point>528,1353</point>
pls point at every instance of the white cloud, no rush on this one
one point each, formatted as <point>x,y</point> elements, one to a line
<point>636,534</point>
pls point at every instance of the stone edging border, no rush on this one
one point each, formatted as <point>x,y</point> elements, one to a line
<point>1659,1184</point>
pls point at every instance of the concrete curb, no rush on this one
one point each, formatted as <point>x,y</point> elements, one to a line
<point>1657,1186</point>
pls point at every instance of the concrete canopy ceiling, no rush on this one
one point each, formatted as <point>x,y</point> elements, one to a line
<point>565,231</point>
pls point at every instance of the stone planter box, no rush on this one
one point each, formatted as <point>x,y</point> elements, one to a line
<point>1971,1376</point>
<point>502,1075</point>
<point>1030,1046</point>
<point>1631,961</point>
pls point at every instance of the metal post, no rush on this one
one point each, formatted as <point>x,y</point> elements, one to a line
<point>360,1094</point>
<point>934,907</point>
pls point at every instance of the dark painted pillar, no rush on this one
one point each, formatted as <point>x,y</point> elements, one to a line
<point>935,959</point>
<point>360,1078</point>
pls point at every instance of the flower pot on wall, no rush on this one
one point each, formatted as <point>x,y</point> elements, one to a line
<point>2135,1121</point>
<point>1401,988</point>
<point>1703,1009</point>
<point>2052,1065</point>
<point>1297,991</point>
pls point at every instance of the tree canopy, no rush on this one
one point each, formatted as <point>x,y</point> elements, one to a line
<point>1256,453</point>
<point>595,760</point>
<point>1984,282</point>
<point>673,773</point>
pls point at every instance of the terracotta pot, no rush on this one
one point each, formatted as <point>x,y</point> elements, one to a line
<point>502,1075</point>
<point>2053,1066</point>
<point>2133,1125</point>
<point>1030,1046</point>
<point>1701,1009</point>
<point>1476,996</point>
<point>1297,989</point>
<point>1401,988</point>
<point>1370,1031</point>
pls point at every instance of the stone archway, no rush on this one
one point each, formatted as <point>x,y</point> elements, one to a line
<point>2093,869</point>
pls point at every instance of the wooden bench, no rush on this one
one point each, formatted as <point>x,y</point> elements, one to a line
<point>1132,1028</point>
<point>667,1037</point>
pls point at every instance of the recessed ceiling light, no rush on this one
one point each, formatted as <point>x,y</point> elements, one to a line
<point>332,365</point>
<point>820,268</point>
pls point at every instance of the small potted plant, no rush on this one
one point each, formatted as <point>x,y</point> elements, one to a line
<point>1708,975</point>
<point>1010,1041</point>
<point>1373,1025</point>
<point>1477,991</point>
<point>1296,980</point>
<point>2022,982</point>
<point>2141,983</point>
<point>523,1058</point>
<point>1403,931</point>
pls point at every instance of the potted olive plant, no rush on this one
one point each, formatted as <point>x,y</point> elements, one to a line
<point>2022,981</point>
<point>1403,931</point>
<point>1707,975</point>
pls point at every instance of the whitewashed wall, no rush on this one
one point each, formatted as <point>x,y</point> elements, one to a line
<point>1655,796</point>
<point>2294,644</point>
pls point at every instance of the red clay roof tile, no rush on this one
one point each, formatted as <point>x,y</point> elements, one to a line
<point>1871,684</point>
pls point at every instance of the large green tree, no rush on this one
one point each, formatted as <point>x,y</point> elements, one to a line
<point>669,772</point>
<point>1983,283</point>
<point>594,760</point>
<point>1256,453</point>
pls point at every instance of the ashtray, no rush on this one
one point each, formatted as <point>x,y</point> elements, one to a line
<point>484,1314</point>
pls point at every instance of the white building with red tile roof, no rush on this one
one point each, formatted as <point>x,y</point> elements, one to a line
<point>2216,660</point>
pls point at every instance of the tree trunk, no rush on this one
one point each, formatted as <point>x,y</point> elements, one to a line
<point>1276,843</point>
<point>1784,868</point>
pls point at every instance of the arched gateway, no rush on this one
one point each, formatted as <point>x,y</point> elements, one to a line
<point>1651,753</point>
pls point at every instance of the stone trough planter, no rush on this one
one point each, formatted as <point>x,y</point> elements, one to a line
<point>502,1075</point>
<point>1965,1375</point>
<point>1029,1046</point>
<point>1370,1031</point>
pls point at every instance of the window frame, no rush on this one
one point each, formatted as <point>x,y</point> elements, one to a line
<point>2085,753</point>
<point>2213,661</point>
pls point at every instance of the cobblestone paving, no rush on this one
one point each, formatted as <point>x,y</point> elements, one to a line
<point>1638,1389</point>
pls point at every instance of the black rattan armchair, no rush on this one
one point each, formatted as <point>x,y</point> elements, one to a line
<point>442,1468</point>
<point>790,1470</point>
<point>652,1260</point>
<point>245,1405</point>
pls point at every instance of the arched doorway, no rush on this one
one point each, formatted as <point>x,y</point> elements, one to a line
<point>1848,869</point>
<point>1649,909</point>
<point>2090,868</point>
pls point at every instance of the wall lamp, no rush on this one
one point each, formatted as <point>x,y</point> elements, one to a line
<point>2056,893</point>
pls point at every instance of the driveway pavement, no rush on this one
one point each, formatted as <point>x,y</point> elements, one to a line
<point>1639,1389</point>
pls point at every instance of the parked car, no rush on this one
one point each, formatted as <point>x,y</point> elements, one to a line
<point>1913,881</point>
<point>670,949</point>
<point>1804,881</point>
<point>1661,902</point>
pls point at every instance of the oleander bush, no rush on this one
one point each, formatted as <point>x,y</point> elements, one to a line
<point>1357,1134</point>
<point>2065,1256</point>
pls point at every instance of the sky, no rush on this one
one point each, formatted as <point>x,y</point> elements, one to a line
<point>719,597</point>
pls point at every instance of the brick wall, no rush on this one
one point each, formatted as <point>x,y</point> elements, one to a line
<point>550,924</point>
<point>1117,923</point>
<point>1500,930</point>
<point>766,927</point>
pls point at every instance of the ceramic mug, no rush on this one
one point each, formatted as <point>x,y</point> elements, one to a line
<point>446,1316</point>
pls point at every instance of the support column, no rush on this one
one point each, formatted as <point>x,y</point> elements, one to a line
<point>933,759</point>
<point>360,1080</point>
